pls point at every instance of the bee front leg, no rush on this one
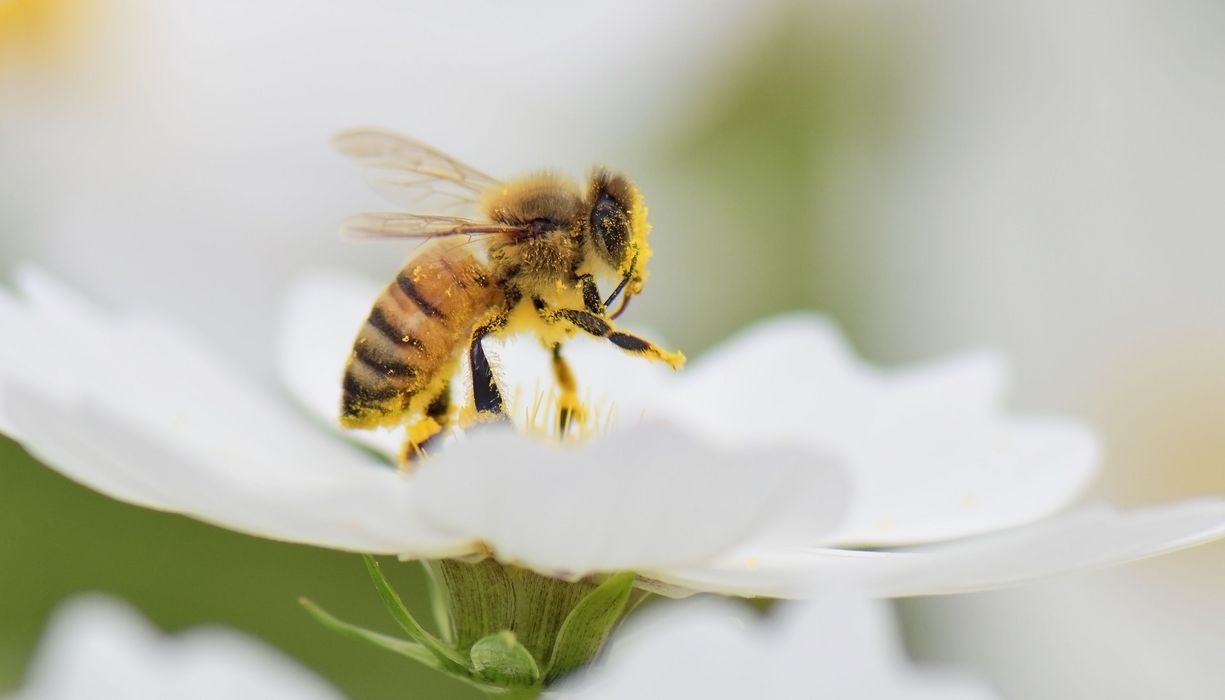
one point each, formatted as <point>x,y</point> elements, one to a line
<point>593,324</point>
<point>591,295</point>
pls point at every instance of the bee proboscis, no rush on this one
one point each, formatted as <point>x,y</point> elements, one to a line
<point>525,256</point>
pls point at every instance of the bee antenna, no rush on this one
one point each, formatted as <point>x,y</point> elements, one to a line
<point>625,302</point>
<point>629,274</point>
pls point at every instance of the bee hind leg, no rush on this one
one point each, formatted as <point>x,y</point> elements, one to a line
<point>569,408</point>
<point>426,431</point>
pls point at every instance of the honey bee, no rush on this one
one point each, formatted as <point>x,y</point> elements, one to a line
<point>528,261</point>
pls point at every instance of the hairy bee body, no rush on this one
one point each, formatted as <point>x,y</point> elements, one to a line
<point>413,340</point>
<point>528,263</point>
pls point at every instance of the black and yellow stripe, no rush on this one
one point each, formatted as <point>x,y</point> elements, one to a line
<point>410,345</point>
<point>405,283</point>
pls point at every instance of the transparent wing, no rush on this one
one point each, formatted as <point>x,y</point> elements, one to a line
<point>412,174</point>
<point>396,224</point>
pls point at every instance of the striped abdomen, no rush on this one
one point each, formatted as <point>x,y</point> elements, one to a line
<point>412,342</point>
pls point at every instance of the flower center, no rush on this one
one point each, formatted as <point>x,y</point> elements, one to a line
<point>544,414</point>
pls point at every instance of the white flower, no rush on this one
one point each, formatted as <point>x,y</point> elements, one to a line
<point>839,647</point>
<point>806,455</point>
<point>932,459</point>
<point>97,647</point>
<point>140,412</point>
<point>1131,632</point>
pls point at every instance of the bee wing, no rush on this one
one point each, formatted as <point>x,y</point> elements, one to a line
<point>401,225</point>
<point>412,174</point>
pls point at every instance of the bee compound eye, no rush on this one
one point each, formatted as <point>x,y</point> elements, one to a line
<point>611,228</point>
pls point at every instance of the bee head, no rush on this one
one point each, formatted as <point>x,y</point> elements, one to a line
<point>619,227</point>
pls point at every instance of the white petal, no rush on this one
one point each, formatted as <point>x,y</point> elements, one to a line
<point>491,489</point>
<point>938,484</point>
<point>323,314</point>
<point>99,648</point>
<point>140,412</point>
<point>34,349</point>
<point>1087,537</point>
<point>644,499</point>
<point>839,647</point>
<point>931,455</point>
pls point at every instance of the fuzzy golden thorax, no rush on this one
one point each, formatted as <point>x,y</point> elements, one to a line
<point>552,249</point>
<point>601,231</point>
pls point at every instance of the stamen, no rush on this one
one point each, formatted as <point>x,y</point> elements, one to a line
<point>540,416</point>
<point>537,413</point>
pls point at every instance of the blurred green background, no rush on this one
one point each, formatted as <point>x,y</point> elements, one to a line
<point>1041,179</point>
<point>61,538</point>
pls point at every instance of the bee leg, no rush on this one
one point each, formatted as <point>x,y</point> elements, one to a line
<point>590,323</point>
<point>591,295</point>
<point>423,433</point>
<point>485,394</point>
<point>568,406</point>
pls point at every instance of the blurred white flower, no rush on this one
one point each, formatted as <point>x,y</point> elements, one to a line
<point>807,456</point>
<point>1125,633</point>
<point>98,647</point>
<point>838,647</point>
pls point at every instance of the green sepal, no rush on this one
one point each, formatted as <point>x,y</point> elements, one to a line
<point>403,647</point>
<point>588,625</point>
<point>501,660</point>
<point>450,659</point>
<point>412,650</point>
<point>438,606</point>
